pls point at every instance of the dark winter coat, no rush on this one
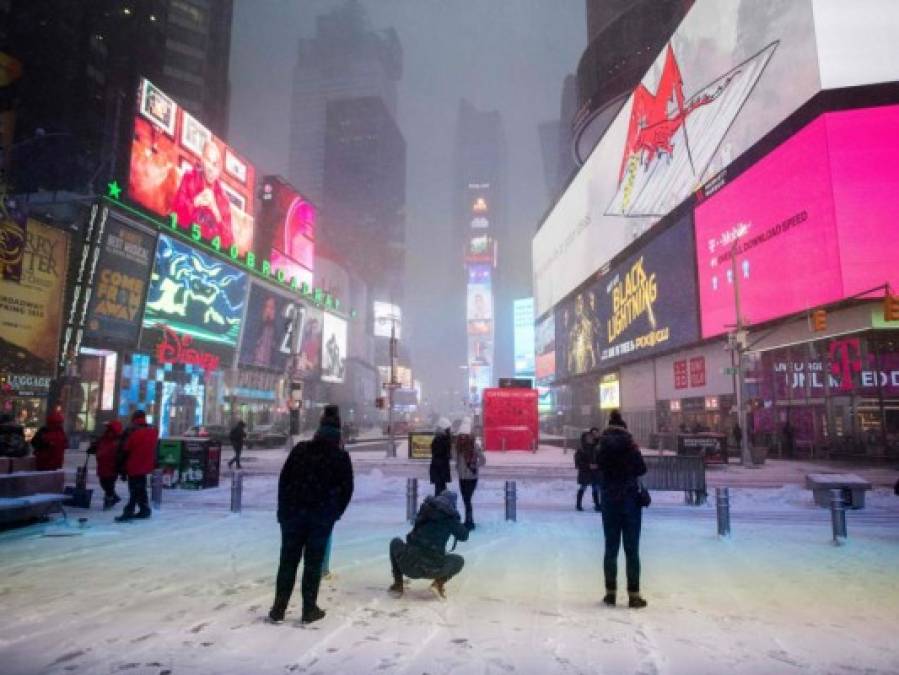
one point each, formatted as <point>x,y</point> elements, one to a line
<point>585,456</point>
<point>106,449</point>
<point>138,449</point>
<point>12,440</point>
<point>50,444</point>
<point>237,436</point>
<point>317,479</point>
<point>425,552</point>
<point>441,450</point>
<point>620,464</point>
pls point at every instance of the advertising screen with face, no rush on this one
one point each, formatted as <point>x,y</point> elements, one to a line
<point>272,330</point>
<point>122,276</point>
<point>480,302</point>
<point>387,317</point>
<point>178,166</point>
<point>545,349</point>
<point>334,349</point>
<point>286,227</point>
<point>195,295</point>
<point>33,260</point>
<point>809,224</point>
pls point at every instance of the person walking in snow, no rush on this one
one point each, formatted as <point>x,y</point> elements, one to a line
<point>587,468</point>
<point>469,458</point>
<point>314,490</point>
<point>423,555</point>
<point>137,458</point>
<point>106,449</point>
<point>49,444</point>
<point>441,450</point>
<point>620,465</point>
<point>237,437</point>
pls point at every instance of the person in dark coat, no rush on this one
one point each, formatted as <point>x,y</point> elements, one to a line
<point>12,438</point>
<point>50,444</point>
<point>136,459</point>
<point>423,555</point>
<point>587,468</point>
<point>620,465</point>
<point>441,451</point>
<point>314,490</point>
<point>106,450</point>
<point>788,437</point>
<point>469,459</point>
<point>237,437</point>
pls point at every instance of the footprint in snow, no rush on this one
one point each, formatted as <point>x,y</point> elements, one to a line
<point>199,627</point>
<point>68,656</point>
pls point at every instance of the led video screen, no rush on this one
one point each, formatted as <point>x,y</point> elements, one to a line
<point>811,223</point>
<point>387,318</point>
<point>178,166</point>
<point>273,329</point>
<point>545,349</point>
<point>334,345</point>
<point>286,227</point>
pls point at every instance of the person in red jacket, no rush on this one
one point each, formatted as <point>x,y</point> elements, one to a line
<point>106,449</point>
<point>50,444</point>
<point>137,458</point>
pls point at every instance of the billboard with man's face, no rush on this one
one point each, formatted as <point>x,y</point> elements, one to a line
<point>179,167</point>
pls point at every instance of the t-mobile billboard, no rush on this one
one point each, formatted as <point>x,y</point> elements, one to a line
<point>814,222</point>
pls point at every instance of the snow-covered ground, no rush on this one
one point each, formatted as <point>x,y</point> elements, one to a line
<point>187,591</point>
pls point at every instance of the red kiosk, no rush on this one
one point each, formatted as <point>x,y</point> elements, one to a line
<point>510,419</point>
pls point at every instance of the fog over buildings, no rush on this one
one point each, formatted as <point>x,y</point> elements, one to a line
<point>508,56</point>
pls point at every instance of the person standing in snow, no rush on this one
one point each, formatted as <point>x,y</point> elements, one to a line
<point>49,444</point>
<point>314,490</point>
<point>587,468</point>
<point>423,555</point>
<point>136,459</point>
<point>237,437</point>
<point>105,449</point>
<point>441,449</point>
<point>620,465</point>
<point>469,458</point>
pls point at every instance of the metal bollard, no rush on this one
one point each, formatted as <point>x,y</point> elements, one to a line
<point>156,488</point>
<point>411,499</point>
<point>236,491</point>
<point>838,516</point>
<point>511,498</point>
<point>722,503</point>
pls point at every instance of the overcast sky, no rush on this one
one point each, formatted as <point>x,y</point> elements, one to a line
<point>507,55</point>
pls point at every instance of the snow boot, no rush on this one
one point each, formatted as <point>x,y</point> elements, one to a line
<point>276,613</point>
<point>635,601</point>
<point>396,590</point>
<point>313,614</point>
<point>609,598</point>
<point>109,502</point>
<point>437,588</point>
<point>143,514</point>
<point>125,517</point>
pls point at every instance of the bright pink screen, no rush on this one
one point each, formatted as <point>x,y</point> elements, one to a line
<point>814,220</point>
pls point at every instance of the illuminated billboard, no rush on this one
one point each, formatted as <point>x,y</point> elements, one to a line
<point>334,348</point>
<point>179,167</point>
<point>481,249</point>
<point>34,263</point>
<point>641,305</point>
<point>523,336</point>
<point>273,330</point>
<point>286,229</point>
<point>545,349</point>
<point>310,352</point>
<point>725,79</point>
<point>195,295</point>
<point>609,392</point>
<point>387,317</point>
<point>120,285</point>
<point>480,302</point>
<point>825,229</point>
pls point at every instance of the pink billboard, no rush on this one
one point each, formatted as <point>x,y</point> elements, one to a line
<point>809,224</point>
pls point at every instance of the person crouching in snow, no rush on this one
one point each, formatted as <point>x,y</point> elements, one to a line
<point>469,458</point>
<point>423,555</point>
<point>106,448</point>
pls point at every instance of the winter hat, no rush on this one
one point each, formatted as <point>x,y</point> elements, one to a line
<point>448,496</point>
<point>114,426</point>
<point>443,424</point>
<point>331,416</point>
<point>615,419</point>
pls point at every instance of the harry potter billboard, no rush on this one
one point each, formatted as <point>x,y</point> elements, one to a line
<point>644,304</point>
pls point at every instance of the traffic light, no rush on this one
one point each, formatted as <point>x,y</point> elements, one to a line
<point>819,320</point>
<point>891,308</point>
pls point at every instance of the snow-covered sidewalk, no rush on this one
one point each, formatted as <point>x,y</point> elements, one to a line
<point>187,591</point>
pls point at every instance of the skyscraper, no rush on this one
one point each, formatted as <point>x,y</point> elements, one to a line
<point>479,193</point>
<point>81,62</point>
<point>344,59</point>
